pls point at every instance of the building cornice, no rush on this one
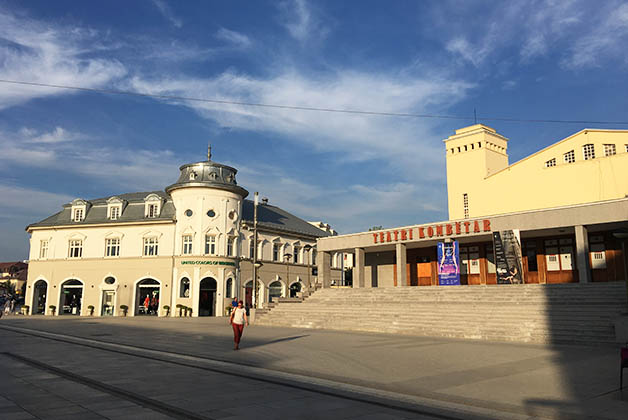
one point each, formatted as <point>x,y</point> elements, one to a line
<point>92,225</point>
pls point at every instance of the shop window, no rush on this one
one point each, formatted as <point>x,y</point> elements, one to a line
<point>609,150</point>
<point>530,252</point>
<point>598,256</point>
<point>187,244</point>
<point>184,289</point>
<point>490,259</point>
<point>569,157</point>
<point>588,151</point>
<point>550,163</point>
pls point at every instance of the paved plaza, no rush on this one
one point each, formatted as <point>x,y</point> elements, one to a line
<point>185,368</point>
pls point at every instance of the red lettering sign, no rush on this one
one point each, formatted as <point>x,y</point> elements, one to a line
<point>396,235</point>
<point>388,239</point>
<point>476,227</point>
<point>410,233</point>
<point>421,233</point>
<point>439,230</point>
<point>466,226</point>
<point>381,236</point>
<point>449,229</point>
<point>487,225</point>
<point>404,235</point>
<point>375,235</point>
<point>430,231</point>
<point>458,231</point>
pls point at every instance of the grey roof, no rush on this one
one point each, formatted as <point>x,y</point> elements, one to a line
<point>270,217</point>
<point>133,211</point>
<point>276,218</point>
<point>208,174</point>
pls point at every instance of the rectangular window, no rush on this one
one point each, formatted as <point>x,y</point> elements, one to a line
<point>230,246</point>
<point>296,255</point>
<point>465,205</point>
<point>598,256</point>
<point>609,150</point>
<point>150,246</point>
<point>626,147</point>
<point>251,247</point>
<point>210,244</point>
<point>114,213</point>
<point>43,249</point>
<point>112,247</point>
<point>275,252</point>
<point>187,245</point>
<point>588,151</point>
<point>550,163</point>
<point>75,250</point>
<point>153,210</point>
<point>78,215</point>
<point>569,157</point>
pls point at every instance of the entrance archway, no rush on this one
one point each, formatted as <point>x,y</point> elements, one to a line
<point>39,297</point>
<point>275,290</point>
<point>147,294</point>
<point>207,297</point>
<point>295,288</point>
<point>71,297</point>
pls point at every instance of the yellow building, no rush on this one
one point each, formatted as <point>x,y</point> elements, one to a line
<point>588,166</point>
<point>563,211</point>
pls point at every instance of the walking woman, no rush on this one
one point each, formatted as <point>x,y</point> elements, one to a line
<point>237,320</point>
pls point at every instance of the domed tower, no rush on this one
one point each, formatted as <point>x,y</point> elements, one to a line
<point>208,204</point>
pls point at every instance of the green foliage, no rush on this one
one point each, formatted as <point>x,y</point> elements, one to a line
<point>376,228</point>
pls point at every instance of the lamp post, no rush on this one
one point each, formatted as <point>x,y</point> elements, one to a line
<point>307,248</point>
<point>287,258</point>
<point>255,267</point>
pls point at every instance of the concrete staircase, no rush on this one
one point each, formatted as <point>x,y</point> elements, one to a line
<point>564,313</point>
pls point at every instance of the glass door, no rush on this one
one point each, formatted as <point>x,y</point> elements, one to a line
<point>108,302</point>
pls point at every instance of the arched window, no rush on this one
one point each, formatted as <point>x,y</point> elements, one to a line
<point>229,288</point>
<point>184,290</point>
<point>275,290</point>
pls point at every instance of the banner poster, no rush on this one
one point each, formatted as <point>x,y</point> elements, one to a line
<point>508,259</point>
<point>448,263</point>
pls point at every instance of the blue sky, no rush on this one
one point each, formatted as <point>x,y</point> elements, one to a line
<point>521,59</point>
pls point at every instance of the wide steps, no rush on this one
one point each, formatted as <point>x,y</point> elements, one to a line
<point>570,313</point>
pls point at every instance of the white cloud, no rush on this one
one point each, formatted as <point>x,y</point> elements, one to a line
<point>166,11</point>
<point>58,135</point>
<point>40,53</point>
<point>235,38</point>
<point>301,21</point>
<point>407,144</point>
<point>28,201</point>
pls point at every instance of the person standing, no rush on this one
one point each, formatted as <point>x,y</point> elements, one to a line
<point>237,320</point>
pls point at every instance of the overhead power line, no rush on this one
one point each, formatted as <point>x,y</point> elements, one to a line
<point>309,108</point>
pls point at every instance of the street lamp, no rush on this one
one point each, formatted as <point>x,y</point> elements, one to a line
<point>307,248</point>
<point>255,263</point>
<point>287,258</point>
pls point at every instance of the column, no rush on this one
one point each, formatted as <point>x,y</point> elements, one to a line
<point>324,268</point>
<point>195,284</point>
<point>358,274</point>
<point>402,275</point>
<point>582,254</point>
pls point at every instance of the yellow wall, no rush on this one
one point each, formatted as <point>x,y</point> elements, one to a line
<point>493,187</point>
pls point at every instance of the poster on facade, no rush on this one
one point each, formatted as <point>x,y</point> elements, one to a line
<point>508,258</point>
<point>448,263</point>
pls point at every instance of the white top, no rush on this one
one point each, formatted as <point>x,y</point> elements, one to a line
<point>238,316</point>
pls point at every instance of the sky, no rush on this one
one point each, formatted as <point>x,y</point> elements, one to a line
<point>560,60</point>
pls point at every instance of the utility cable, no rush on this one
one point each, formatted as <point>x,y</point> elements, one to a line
<point>307,108</point>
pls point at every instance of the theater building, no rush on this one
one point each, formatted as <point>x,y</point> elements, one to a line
<point>568,204</point>
<point>152,253</point>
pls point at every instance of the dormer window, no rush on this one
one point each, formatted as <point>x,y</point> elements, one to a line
<point>114,208</point>
<point>152,206</point>
<point>79,209</point>
<point>78,214</point>
<point>114,212</point>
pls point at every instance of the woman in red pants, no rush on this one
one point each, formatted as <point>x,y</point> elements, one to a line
<point>237,320</point>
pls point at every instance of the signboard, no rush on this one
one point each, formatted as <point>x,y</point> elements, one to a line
<point>448,263</point>
<point>208,263</point>
<point>508,259</point>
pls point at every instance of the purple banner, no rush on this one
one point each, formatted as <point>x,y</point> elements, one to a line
<point>448,263</point>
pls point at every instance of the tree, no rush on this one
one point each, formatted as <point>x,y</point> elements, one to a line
<point>376,228</point>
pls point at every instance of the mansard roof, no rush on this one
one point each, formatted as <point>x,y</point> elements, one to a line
<point>269,217</point>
